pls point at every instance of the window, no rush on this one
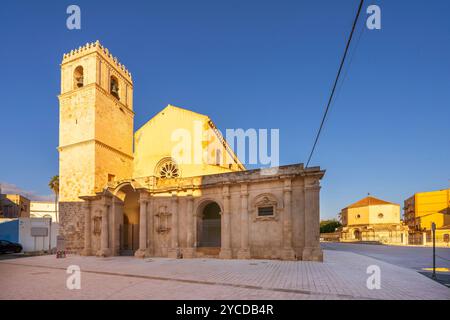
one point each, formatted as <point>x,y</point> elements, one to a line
<point>380,216</point>
<point>358,216</point>
<point>114,87</point>
<point>168,170</point>
<point>78,79</point>
<point>111,177</point>
<point>265,211</point>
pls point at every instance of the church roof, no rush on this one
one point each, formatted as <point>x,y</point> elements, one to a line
<point>168,107</point>
<point>369,201</point>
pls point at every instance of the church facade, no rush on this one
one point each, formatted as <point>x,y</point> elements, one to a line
<point>174,188</point>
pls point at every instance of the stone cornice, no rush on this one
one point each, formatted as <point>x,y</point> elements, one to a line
<point>99,143</point>
<point>237,178</point>
<point>94,85</point>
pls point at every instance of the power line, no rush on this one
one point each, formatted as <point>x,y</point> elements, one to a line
<point>335,82</point>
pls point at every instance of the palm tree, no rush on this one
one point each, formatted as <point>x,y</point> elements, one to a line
<point>54,186</point>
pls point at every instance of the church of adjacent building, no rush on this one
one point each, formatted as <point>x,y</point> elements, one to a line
<point>129,193</point>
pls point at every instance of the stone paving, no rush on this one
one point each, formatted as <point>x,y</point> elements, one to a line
<point>342,276</point>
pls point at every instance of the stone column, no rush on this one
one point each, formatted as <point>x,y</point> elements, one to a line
<point>288,252</point>
<point>140,253</point>
<point>150,227</point>
<point>225,250</point>
<point>104,240</point>
<point>117,215</point>
<point>244,251</point>
<point>189,252</point>
<point>312,249</point>
<point>174,251</point>
<point>87,251</point>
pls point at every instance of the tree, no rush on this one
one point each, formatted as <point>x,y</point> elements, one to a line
<point>329,226</point>
<point>54,186</point>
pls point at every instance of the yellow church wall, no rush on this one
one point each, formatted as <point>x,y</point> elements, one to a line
<point>355,216</point>
<point>153,142</point>
<point>77,116</point>
<point>370,215</point>
<point>113,123</point>
<point>76,171</point>
<point>390,214</point>
<point>110,162</point>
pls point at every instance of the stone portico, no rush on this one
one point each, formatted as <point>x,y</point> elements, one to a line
<point>220,214</point>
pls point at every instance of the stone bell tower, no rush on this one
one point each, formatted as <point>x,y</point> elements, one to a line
<point>95,123</point>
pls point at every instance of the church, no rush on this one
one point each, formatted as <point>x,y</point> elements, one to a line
<point>146,194</point>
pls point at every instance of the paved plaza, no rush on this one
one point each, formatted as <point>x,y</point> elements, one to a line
<point>342,276</point>
<point>417,258</point>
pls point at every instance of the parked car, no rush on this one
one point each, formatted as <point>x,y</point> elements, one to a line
<point>8,246</point>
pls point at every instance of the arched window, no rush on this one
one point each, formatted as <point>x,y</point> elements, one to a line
<point>168,169</point>
<point>114,87</point>
<point>78,80</point>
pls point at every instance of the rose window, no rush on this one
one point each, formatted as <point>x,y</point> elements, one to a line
<point>169,170</point>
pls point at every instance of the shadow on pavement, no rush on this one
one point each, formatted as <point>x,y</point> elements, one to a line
<point>442,278</point>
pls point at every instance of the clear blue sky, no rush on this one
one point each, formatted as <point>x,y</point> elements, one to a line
<point>250,64</point>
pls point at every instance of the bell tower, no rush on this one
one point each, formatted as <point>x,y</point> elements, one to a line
<point>95,122</point>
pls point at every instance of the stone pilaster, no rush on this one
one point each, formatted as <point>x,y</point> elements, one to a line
<point>244,251</point>
<point>87,206</point>
<point>174,251</point>
<point>150,227</point>
<point>189,251</point>
<point>225,250</point>
<point>104,240</point>
<point>117,216</point>
<point>312,250</point>
<point>288,251</point>
<point>143,200</point>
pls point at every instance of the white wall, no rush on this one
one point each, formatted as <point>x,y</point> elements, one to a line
<point>30,243</point>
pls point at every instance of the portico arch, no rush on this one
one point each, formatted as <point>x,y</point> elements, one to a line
<point>209,224</point>
<point>127,211</point>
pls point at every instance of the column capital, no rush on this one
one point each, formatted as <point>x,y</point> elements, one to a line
<point>244,190</point>
<point>312,187</point>
<point>287,183</point>
<point>226,190</point>
<point>144,195</point>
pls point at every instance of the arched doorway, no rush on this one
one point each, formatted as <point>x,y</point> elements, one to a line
<point>129,220</point>
<point>209,226</point>
<point>357,234</point>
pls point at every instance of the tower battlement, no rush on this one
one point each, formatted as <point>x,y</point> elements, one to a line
<point>92,47</point>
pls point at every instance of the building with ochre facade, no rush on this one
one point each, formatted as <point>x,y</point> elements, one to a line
<point>174,188</point>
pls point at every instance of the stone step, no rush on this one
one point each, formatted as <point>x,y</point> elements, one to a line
<point>208,252</point>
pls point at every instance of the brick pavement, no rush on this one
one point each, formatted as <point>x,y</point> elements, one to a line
<point>342,276</point>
